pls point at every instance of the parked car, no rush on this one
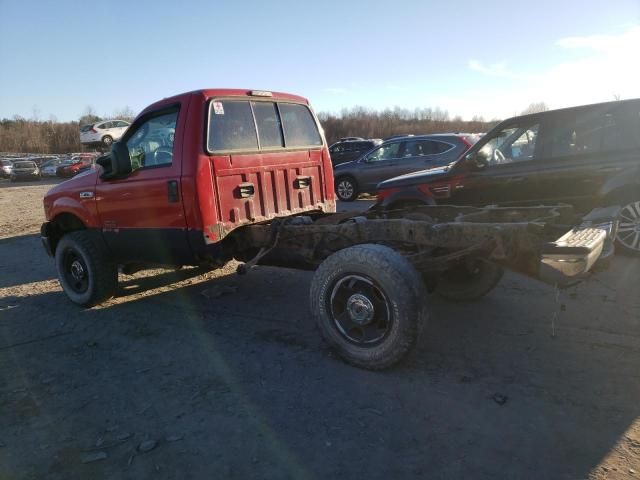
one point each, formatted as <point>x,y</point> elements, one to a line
<point>103,133</point>
<point>49,168</point>
<point>41,159</point>
<point>396,157</point>
<point>74,166</point>
<point>5,168</point>
<point>25,170</point>
<point>347,150</point>
<point>585,156</point>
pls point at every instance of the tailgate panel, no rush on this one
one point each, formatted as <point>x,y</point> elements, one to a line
<point>258,187</point>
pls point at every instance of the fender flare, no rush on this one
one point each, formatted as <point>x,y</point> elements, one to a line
<point>622,181</point>
<point>411,194</point>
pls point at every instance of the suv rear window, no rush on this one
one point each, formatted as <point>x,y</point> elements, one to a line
<point>232,126</point>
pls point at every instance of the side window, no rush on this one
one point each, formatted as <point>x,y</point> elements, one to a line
<point>269,127</point>
<point>419,148</point>
<point>621,128</point>
<point>385,152</point>
<point>121,124</point>
<point>151,144</point>
<point>300,129</point>
<point>104,125</point>
<point>231,126</point>
<point>440,147</point>
<point>577,133</point>
<point>509,145</point>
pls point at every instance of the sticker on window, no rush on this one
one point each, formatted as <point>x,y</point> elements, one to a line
<point>218,109</point>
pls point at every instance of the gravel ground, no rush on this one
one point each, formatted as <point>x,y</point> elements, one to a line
<point>185,375</point>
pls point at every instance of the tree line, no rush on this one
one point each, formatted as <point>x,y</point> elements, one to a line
<point>35,136</point>
<point>22,135</point>
<point>366,123</point>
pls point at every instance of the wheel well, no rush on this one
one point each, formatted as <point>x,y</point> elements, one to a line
<point>62,224</point>
<point>623,193</point>
<point>346,175</point>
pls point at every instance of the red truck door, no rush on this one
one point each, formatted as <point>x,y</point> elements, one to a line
<point>142,215</point>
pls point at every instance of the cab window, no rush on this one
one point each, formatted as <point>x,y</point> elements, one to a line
<point>151,143</point>
<point>300,129</point>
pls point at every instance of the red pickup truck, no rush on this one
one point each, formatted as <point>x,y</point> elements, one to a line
<point>212,175</point>
<point>193,168</point>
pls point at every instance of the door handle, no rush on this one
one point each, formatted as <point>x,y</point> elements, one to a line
<point>516,179</point>
<point>172,191</point>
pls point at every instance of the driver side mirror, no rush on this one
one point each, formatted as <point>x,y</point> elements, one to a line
<point>117,163</point>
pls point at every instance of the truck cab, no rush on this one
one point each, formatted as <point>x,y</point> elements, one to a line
<point>193,168</point>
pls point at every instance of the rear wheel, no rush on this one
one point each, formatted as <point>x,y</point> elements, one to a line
<point>107,140</point>
<point>346,189</point>
<point>368,303</point>
<point>470,280</point>
<point>84,272</point>
<point>628,236</point>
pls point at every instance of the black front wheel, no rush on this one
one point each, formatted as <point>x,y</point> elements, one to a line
<point>368,302</point>
<point>469,280</point>
<point>84,272</point>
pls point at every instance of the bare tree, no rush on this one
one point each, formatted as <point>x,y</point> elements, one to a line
<point>89,116</point>
<point>535,107</point>
<point>125,113</point>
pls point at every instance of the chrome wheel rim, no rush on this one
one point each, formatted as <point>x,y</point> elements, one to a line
<point>360,310</point>
<point>345,189</point>
<point>629,226</point>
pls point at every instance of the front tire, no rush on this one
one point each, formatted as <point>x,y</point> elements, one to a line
<point>84,272</point>
<point>368,302</point>
<point>469,281</point>
<point>346,189</point>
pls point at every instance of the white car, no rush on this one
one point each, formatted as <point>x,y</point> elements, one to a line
<point>104,133</point>
<point>6,166</point>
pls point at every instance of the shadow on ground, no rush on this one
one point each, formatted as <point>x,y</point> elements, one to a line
<point>228,376</point>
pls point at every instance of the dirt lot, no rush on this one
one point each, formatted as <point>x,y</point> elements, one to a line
<point>218,376</point>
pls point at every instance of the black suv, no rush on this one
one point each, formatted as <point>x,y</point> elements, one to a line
<point>347,150</point>
<point>586,156</point>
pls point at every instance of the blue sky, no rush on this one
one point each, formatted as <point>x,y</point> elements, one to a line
<point>485,58</point>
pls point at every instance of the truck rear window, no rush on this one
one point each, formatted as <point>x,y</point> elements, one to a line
<point>232,126</point>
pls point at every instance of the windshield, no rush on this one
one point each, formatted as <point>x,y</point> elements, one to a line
<point>24,165</point>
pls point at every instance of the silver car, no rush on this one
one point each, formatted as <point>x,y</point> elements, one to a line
<point>398,156</point>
